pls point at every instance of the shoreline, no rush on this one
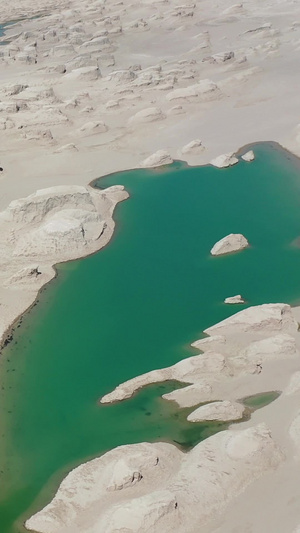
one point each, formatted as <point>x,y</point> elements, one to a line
<point>7,333</point>
<point>10,327</point>
<point>243,422</point>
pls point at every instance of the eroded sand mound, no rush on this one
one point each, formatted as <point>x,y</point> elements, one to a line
<point>47,227</point>
<point>143,487</point>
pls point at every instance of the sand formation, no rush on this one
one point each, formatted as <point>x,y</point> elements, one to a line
<point>154,487</point>
<point>47,227</point>
<point>234,242</point>
<point>121,82</point>
<point>114,489</point>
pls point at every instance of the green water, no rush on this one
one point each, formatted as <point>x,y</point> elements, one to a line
<point>257,401</point>
<point>2,30</point>
<point>135,306</point>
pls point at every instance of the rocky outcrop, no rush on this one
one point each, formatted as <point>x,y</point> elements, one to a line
<point>221,57</point>
<point>271,348</point>
<point>248,156</point>
<point>229,244</point>
<point>84,73</point>
<point>158,159</point>
<point>94,127</point>
<point>225,411</point>
<point>193,147</point>
<point>55,224</point>
<point>204,90</point>
<point>169,493</point>
<point>225,160</point>
<point>265,319</point>
<point>188,370</point>
<point>151,114</point>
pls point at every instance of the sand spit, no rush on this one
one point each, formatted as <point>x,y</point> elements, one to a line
<point>48,227</point>
<point>244,344</point>
<point>154,487</point>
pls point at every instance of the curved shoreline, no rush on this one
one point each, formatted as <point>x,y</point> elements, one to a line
<point>7,333</point>
<point>11,326</point>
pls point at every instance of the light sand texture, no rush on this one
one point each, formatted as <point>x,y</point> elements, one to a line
<point>144,487</point>
<point>231,243</point>
<point>143,76</point>
<point>49,226</point>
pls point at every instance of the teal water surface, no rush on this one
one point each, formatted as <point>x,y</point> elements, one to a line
<point>135,306</point>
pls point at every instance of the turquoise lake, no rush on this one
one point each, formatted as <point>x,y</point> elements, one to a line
<point>135,306</point>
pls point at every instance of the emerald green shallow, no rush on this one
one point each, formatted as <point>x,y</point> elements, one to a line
<point>257,401</point>
<point>135,306</point>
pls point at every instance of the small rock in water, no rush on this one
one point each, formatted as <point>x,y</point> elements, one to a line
<point>238,299</point>
<point>231,243</point>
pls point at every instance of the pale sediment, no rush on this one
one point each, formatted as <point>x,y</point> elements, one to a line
<point>141,83</point>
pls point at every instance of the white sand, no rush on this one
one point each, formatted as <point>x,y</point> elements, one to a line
<point>124,59</point>
<point>91,88</point>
